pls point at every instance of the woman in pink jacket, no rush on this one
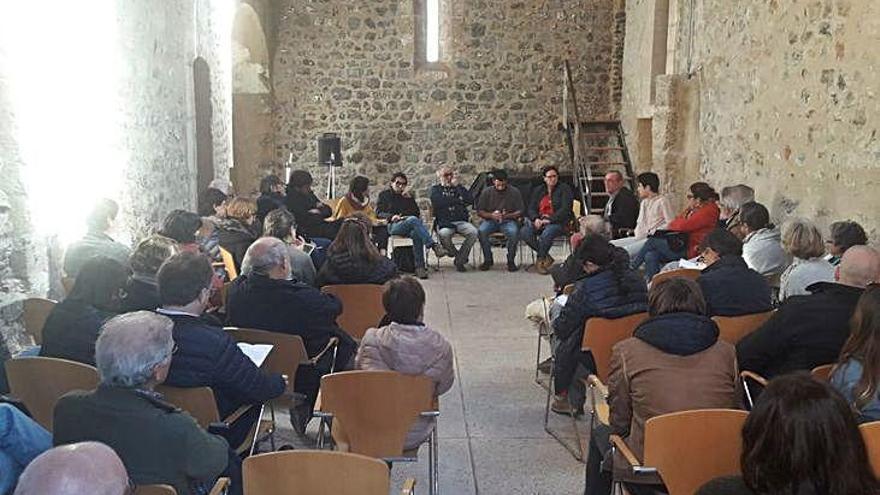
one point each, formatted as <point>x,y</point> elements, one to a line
<point>408,346</point>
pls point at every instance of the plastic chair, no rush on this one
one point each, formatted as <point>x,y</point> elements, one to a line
<point>600,336</point>
<point>361,307</point>
<point>733,328</point>
<point>316,472</point>
<point>40,381</point>
<point>218,489</point>
<point>690,273</point>
<point>689,448</point>
<point>822,373</point>
<point>377,409</point>
<point>871,436</point>
<point>35,312</point>
<point>229,264</point>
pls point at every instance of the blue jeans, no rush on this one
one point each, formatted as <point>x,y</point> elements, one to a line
<point>413,228</point>
<point>543,241</point>
<point>21,440</point>
<point>319,254</point>
<point>655,253</point>
<point>510,229</point>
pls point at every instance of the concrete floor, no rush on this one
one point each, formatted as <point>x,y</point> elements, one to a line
<point>492,439</point>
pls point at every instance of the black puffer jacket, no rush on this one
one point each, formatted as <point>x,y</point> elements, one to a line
<point>681,334</point>
<point>235,237</point>
<point>342,268</point>
<point>71,331</point>
<point>731,288</point>
<point>140,294</point>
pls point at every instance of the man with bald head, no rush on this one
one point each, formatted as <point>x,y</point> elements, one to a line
<point>809,331</point>
<point>86,468</point>
<point>264,296</point>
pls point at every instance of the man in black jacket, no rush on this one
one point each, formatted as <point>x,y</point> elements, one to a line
<point>622,208</point>
<point>729,286</point>
<point>809,331</point>
<point>264,297</point>
<point>206,356</point>
<point>310,213</point>
<point>450,201</point>
<point>547,216</point>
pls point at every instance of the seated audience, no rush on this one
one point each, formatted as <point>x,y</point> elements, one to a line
<point>280,224</point>
<point>96,242</point>
<point>655,213</point>
<point>158,443</point>
<point>858,367</point>
<point>809,331</point>
<point>87,468</point>
<point>799,439</point>
<point>548,215</point>
<point>729,286</point>
<point>699,217</point>
<point>21,440</point>
<point>142,289</point>
<point>271,196</point>
<point>73,325</point>
<point>312,216</point>
<point>608,289</point>
<point>730,206</point>
<point>353,259</point>
<point>673,362</point>
<point>397,206</point>
<point>844,235</point>
<point>802,241</point>
<point>501,208</point>
<point>762,244</point>
<point>265,298</point>
<point>409,346</point>
<point>207,356</point>
<point>238,230</point>
<point>212,204</point>
<point>184,228</point>
<point>590,224</point>
<point>622,208</point>
<point>450,201</point>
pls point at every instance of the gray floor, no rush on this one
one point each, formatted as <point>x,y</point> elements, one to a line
<point>492,439</point>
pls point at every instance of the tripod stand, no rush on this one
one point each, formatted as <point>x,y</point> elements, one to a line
<point>331,176</point>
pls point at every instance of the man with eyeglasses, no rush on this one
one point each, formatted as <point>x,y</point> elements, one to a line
<point>157,442</point>
<point>622,208</point>
<point>547,216</point>
<point>397,206</point>
<point>450,201</point>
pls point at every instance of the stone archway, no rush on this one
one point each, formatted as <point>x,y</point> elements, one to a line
<point>252,134</point>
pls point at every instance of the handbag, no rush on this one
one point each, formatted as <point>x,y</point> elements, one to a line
<point>677,241</point>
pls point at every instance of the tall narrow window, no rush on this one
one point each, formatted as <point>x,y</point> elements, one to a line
<point>432,31</point>
<point>431,28</point>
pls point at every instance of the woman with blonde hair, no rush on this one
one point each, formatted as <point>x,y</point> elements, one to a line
<point>802,241</point>
<point>237,231</point>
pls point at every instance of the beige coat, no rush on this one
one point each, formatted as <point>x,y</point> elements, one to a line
<point>411,350</point>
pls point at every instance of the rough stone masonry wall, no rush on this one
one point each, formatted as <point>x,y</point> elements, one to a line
<point>346,66</point>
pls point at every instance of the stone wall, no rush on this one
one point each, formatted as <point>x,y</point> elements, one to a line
<point>347,67</point>
<point>784,98</point>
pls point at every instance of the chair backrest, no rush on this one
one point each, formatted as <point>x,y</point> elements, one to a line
<point>361,307</point>
<point>36,310</point>
<point>314,472</point>
<point>871,436</point>
<point>822,373</point>
<point>733,328</point>
<point>197,401</point>
<point>229,264</point>
<point>376,408</point>
<point>690,273</point>
<point>600,335</point>
<point>155,490</point>
<point>40,381</point>
<point>689,448</point>
<point>288,351</point>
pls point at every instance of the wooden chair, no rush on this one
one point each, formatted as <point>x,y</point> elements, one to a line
<point>567,290</point>
<point>199,402</point>
<point>229,264</point>
<point>733,328</point>
<point>372,411</point>
<point>600,336</point>
<point>218,489</point>
<point>40,381</point>
<point>822,373</point>
<point>871,436</point>
<point>35,312</point>
<point>689,448</point>
<point>316,472</point>
<point>361,307</point>
<point>690,273</point>
<point>751,393</point>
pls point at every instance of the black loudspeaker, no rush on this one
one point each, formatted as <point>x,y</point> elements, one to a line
<point>330,150</point>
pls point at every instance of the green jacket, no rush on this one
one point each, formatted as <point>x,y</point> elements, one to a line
<point>157,442</point>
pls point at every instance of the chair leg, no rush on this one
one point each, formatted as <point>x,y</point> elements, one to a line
<point>272,435</point>
<point>434,466</point>
<point>578,453</point>
<point>538,357</point>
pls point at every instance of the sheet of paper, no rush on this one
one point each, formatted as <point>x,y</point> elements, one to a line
<point>561,299</point>
<point>694,265</point>
<point>257,352</point>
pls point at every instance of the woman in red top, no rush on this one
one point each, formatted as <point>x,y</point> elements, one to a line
<point>698,218</point>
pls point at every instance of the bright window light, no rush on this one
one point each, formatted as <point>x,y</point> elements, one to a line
<point>64,77</point>
<point>432,35</point>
